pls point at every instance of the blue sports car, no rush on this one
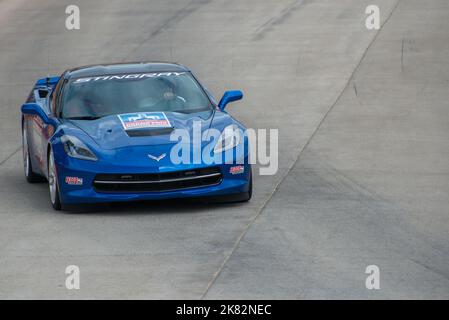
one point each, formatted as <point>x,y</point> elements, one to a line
<point>133,131</point>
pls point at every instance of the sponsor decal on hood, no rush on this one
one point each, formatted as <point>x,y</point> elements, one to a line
<point>144,120</point>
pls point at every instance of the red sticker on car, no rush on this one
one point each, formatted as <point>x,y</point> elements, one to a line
<point>74,181</point>
<point>237,170</point>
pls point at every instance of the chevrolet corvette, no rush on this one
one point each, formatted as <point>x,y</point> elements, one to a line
<point>105,133</point>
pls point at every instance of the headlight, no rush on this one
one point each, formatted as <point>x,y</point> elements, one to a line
<point>77,149</point>
<point>229,138</point>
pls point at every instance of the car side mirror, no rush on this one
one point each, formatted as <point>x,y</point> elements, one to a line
<point>35,109</point>
<point>230,96</point>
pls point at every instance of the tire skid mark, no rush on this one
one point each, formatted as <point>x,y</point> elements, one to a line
<point>10,156</point>
<point>276,20</point>
<point>179,15</point>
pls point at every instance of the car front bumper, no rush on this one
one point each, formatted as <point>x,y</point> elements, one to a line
<point>76,182</point>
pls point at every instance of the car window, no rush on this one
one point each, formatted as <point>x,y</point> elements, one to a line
<point>125,93</point>
<point>55,95</point>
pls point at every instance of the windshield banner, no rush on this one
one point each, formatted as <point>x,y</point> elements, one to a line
<point>129,76</point>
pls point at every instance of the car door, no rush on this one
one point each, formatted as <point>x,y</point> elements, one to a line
<point>40,131</point>
<point>34,126</point>
<point>46,131</point>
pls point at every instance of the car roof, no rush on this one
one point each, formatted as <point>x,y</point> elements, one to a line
<point>125,67</point>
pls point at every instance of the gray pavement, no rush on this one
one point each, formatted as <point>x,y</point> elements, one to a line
<point>363,170</point>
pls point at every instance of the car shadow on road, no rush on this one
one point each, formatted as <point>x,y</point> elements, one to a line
<point>177,205</point>
<point>152,207</point>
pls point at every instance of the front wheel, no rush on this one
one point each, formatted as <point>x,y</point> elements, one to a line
<point>53,182</point>
<point>250,187</point>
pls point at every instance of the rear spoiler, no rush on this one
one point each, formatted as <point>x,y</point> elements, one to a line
<point>49,81</point>
<point>43,87</point>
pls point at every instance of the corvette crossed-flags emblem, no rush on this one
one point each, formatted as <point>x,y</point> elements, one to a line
<point>162,156</point>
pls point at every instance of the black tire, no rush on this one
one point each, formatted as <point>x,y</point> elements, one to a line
<point>249,193</point>
<point>57,205</point>
<point>30,176</point>
<point>55,199</point>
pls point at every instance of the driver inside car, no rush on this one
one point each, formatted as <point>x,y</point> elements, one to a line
<point>169,98</point>
<point>84,103</point>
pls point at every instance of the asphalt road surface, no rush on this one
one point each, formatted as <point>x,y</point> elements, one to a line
<point>363,179</point>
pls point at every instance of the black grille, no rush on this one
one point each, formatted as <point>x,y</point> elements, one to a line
<point>153,182</point>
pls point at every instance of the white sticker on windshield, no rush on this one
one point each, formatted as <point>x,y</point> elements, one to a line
<point>132,76</point>
<point>144,120</point>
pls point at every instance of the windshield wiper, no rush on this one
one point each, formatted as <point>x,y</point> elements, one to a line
<point>84,118</point>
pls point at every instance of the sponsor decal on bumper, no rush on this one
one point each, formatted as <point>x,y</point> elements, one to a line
<point>237,170</point>
<point>74,181</point>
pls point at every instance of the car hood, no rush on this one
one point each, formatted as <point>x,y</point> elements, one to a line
<point>108,132</point>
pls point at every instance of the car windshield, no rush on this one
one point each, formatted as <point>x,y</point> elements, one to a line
<point>95,97</point>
